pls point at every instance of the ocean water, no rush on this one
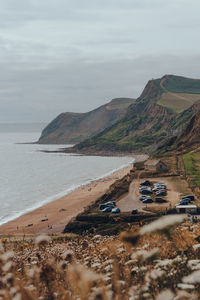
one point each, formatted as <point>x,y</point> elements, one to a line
<point>30,178</point>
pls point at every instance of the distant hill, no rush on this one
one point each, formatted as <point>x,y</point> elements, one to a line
<point>71,128</point>
<point>163,110</point>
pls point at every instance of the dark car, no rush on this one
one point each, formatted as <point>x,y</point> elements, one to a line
<point>107,209</point>
<point>146,192</point>
<point>191,197</point>
<point>184,202</point>
<point>149,200</point>
<point>161,193</point>
<point>186,199</point>
<point>160,200</point>
<point>146,182</point>
<point>107,204</point>
<point>134,211</point>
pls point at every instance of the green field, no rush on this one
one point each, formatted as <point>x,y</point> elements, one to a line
<point>179,84</point>
<point>192,167</point>
<point>178,102</point>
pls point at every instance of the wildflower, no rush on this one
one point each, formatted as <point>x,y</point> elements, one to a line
<point>7,266</point>
<point>184,286</point>
<point>196,246</point>
<point>183,295</point>
<point>156,273</point>
<point>192,278</point>
<point>165,295</point>
<point>163,224</point>
<point>144,255</point>
<point>68,256</point>
<point>42,240</point>
<point>7,255</point>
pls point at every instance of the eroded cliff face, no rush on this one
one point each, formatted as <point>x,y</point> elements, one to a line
<point>71,128</point>
<point>144,125</point>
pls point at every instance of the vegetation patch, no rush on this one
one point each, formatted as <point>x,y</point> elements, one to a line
<point>178,102</point>
<point>192,168</point>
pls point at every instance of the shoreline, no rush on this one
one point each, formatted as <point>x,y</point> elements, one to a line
<point>63,194</point>
<point>52,217</point>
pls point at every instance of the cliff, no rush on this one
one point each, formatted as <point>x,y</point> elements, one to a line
<point>164,108</point>
<point>71,128</point>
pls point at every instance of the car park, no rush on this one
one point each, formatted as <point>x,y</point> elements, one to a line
<point>149,200</point>
<point>107,209</point>
<point>160,200</point>
<point>115,210</point>
<point>134,211</point>
<point>146,183</point>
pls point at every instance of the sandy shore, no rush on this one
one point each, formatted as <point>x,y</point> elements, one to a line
<point>52,217</point>
<point>58,213</point>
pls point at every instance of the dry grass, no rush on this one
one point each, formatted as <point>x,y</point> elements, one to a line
<point>178,102</point>
<point>161,263</point>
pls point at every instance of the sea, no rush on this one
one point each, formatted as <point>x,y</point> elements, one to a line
<point>30,178</point>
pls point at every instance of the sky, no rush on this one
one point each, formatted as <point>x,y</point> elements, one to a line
<point>75,55</point>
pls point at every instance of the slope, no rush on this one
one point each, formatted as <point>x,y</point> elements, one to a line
<point>70,128</point>
<point>147,123</point>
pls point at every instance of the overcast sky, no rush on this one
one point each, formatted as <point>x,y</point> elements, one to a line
<point>75,55</point>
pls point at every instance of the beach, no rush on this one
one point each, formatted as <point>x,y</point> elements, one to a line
<point>51,218</point>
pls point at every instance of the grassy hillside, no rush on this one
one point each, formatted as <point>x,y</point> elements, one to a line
<point>179,84</point>
<point>178,102</point>
<point>156,115</point>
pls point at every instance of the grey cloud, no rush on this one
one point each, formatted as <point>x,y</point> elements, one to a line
<point>64,55</point>
<point>42,94</point>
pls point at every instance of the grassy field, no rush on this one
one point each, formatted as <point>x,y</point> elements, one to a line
<point>192,167</point>
<point>179,84</point>
<point>178,102</point>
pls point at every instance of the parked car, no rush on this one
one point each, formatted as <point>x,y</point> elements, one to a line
<point>161,193</point>
<point>158,188</point>
<point>160,200</point>
<point>144,188</point>
<point>146,182</point>
<point>146,191</point>
<point>149,200</point>
<point>187,199</point>
<point>191,197</point>
<point>107,204</point>
<point>110,203</point>
<point>143,197</point>
<point>184,202</point>
<point>116,210</point>
<point>107,209</point>
<point>134,211</point>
